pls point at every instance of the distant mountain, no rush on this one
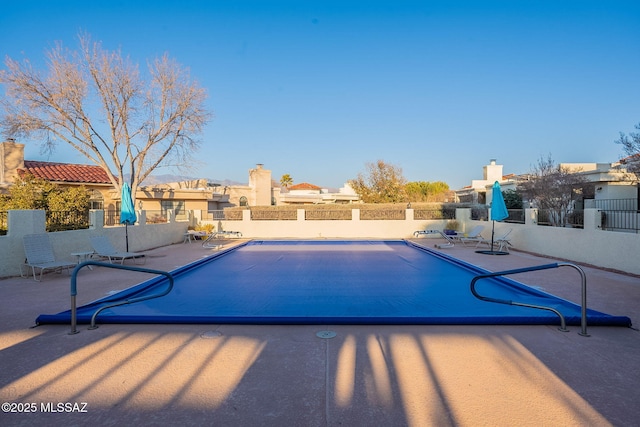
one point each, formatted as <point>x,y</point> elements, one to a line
<point>166,178</point>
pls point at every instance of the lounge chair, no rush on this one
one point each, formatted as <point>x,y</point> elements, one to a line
<point>103,248</point>
<point>503,242</point>
<point>215,239</point>
<point>473,236</point>
<point>192,235</point>
<point>449,233</point>
<point>39,254</point>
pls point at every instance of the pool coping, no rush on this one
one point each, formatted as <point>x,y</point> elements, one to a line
<point>366,374</point>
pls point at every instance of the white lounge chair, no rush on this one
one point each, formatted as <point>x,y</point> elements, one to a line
<point>473,236</point>
<point>39,254</point>
<point>503,242</point>
<point>450,234</point>
<point>105,249</point>
<point>214,239</point>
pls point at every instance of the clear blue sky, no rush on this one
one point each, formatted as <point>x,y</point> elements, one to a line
<point>318,88</point>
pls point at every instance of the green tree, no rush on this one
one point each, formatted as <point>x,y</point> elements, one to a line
<point>286,180</point>
<point>29,192</point>
<point>382,183</point>
<point>98,102</point>
<point>423,191</point>
<point>69,199</point>
<point>512,199</point>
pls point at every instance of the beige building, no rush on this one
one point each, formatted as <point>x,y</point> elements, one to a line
<point>305,193</point>
<point>609,181</point>
<point>13,166</point>
<point>157,200</point>
<point>476,193</point>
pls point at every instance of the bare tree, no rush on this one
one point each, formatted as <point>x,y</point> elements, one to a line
<point>631,145</point>
<point>96,101</point>
<point>553,188</point>
<point>383,183</point>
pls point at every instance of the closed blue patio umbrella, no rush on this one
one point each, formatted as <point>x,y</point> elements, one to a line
<point>498,213</point>
<point>127,211</point>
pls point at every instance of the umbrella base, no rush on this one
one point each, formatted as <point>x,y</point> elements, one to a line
<point>492,252</point>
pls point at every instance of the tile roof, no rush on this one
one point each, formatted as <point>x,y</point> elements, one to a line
<point>304,186</point>
<point>65,172</point>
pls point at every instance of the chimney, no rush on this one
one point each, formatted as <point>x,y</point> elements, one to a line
<point>11,159</point>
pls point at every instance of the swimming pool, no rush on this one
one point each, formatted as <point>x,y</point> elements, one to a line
<point>331,282</point>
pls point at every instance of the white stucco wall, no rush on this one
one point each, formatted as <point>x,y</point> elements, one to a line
<point>591,245</point>
<point>141,237</point>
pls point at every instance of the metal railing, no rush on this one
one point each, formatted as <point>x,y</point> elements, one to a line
<point>74,290</point>
<point>434,213</point>
<point>563,325</point>
<point>628,221</point>
<point>383,214</point>
<point>67,220</point>
<point>480,213</point>
<point>3,223</point>
<point>616,204</point>
<point>554,218</point>
<point>327,214</point>
<point>111,217</point>
<point>274,215</point>
<point>216,215</point>
<point>619,214</point>
<point>516,216</point>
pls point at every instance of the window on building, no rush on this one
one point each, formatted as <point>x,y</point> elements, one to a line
<point>243,201</point>
<point>96,201</point>
<point>176,205</point>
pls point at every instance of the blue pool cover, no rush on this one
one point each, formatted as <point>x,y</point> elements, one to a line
<point>331,282</point>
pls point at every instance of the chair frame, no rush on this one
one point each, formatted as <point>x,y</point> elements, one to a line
<point>103,248</point>
<point>39,254</point>
<point>475,235</point>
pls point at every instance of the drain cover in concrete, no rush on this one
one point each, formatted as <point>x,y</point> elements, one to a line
<point>326,334</point>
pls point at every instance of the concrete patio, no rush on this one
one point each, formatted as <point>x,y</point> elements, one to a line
<point>265,375</point>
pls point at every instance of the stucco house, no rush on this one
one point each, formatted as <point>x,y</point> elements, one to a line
<point>305,193</point>
<point>156,199</point>
<point>476,193</point>
<point>13,166</point>
<point>609,181</point>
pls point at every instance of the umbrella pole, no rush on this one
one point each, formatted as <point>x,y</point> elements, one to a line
<point>126,235</point>
<point>493,228</point>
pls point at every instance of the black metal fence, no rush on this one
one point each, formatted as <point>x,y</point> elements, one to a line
<point>217,215</point>
<point>67,220</point>
<point>616,204</point>
<point>553,218</point>
<point>274,215</point>
<point>327,214</point>
<point>619,214</point>
<point>3,223</point>
<point>516,216</point>
<point>435,213</point>
<point>480,213</point>
<point>111,217</point>
<point>390,214</point>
